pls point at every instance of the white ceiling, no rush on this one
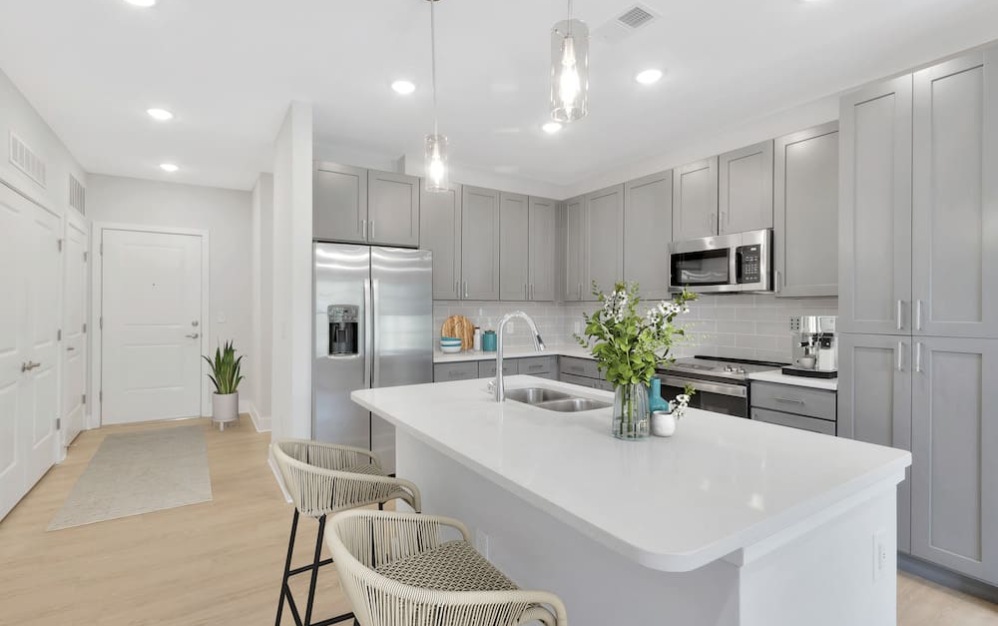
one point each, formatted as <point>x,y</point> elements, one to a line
<point>228,69</point>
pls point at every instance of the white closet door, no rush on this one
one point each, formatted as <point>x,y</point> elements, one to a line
<point>74,338</point>
<point>151,360</point>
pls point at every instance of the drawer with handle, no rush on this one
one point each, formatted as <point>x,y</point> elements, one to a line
<point>536,366</point>
<point>487,369</point>
<point>579,367</point>
<point>794,421</point>
<point>445,372</point>
<point>791,399</point>
<point>578,380</point>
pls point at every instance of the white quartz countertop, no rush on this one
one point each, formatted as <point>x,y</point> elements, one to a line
<point>720,485</point>
<point>517,352</point>
<point>776,376</point>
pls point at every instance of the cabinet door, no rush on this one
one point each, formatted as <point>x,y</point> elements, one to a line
<point>576,279</point>
<point>648,232</point>
<point>875,403</point>
<point>694,206</point>
<point>339,205</point>
<point>541,258</point>
<point>745,189</point>
<point>807,213</point>
<point>955,202</point>
<point>875,209</point>
<point>954,498</point>
<point>605,238</point>
<point>440,233</point>
<point>514,229</point>
<point>393,209</point>
<point>480,244</point>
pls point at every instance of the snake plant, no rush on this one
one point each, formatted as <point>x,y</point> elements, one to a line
<point>225,369</point>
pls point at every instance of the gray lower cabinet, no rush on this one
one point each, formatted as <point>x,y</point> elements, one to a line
<point>444,372</point>
<point>792,420</point>
<point>694,205</point>
<point>875,209</point>
<point>576,282</point>
<point>479,244</point>
<point>578,367</point>
<point>440,232</point>
<point>487,369</point>
<point>806,212</point>
<point>745,189</point>
<point>339,211</point>
<point>514,242</point>
<point>955,199</point>
<point>875,403</point>
<point>807,401</point>
<point>605,238</point>
<point>542,366</point>
<point>954,499</point>
<point>648,232</point>
<point>392,209</point>
<point>542,223</point>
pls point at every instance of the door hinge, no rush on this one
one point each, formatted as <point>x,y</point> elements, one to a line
<point>84,398</point>
<point>58,423</point>
<point>85,254</point>
<point>100,395</point>
<point>59,243</point>
<point>84,327</point>
<point>100,322</point>
<point>58,335</point>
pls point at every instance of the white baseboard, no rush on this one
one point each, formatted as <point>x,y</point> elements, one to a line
<point>262,424</point>
<point>277,475</point>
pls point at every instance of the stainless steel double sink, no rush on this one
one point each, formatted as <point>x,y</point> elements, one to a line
<point>553,400</point>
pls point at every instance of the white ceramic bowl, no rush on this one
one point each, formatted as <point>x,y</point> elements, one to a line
<point>450,349</point>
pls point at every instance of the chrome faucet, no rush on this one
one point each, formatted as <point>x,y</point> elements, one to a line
<point>538,345</point>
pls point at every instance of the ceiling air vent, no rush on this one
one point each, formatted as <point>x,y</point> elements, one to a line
<point>625,24</point>
<point>77,195</point>
<point>24,159</point>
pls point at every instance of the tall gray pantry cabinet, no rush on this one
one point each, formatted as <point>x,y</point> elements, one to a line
<point>919,299</point>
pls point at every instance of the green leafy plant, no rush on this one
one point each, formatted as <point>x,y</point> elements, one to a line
<point>628,346</point>
<point>225,369</point>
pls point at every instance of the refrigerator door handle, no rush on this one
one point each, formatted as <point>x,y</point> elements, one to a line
<point>368,337</point>
<point>375,303</point>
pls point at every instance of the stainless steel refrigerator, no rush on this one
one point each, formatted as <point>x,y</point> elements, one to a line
<point>373,328</point>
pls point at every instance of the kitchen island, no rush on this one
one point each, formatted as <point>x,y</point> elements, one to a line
<point>730,522</point>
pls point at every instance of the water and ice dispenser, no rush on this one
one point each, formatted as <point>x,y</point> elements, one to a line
<point>343,335</point>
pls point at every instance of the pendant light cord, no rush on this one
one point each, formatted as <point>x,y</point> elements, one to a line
<point>433,61</point>
<point>569,18</point>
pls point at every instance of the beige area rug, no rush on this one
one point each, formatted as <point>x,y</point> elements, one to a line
<point>134,473</point>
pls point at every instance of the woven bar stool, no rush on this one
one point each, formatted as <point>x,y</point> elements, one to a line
<point>322,479</point>
<point>398,570</point>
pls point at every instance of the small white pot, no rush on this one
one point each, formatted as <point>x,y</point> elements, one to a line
<point>224,407</point>
<point>663,424</point>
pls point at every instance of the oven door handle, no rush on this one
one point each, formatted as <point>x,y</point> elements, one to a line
<point>706,386</point>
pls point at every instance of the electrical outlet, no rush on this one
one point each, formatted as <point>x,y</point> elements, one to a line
<point>879,554</point>
<point>482,543</point>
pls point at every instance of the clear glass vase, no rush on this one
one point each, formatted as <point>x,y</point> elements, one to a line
<point>630,412</point>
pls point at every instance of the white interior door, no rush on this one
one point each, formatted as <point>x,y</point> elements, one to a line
<point>151,315</point>
<point>74,338</point>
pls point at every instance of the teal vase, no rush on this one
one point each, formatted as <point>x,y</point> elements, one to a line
<point>655,400</point>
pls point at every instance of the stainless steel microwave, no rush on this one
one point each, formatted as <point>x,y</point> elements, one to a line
<point>725,264</point>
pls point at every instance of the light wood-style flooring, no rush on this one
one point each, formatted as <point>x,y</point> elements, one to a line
<point>220,562</point>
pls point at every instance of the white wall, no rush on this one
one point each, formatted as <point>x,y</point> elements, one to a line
<point>226,215</point>
<point>291,380</point>
<point>263,296</point>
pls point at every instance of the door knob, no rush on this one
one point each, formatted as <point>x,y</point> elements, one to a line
<point>194,336</point>
<point>195,323</point>
<point>70,349</point>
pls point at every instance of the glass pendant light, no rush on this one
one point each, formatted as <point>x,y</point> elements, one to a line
<point>569,69</point>
<point>437,178</point>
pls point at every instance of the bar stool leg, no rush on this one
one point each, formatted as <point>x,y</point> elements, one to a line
<point>285,582</point>
<point>315,570</point>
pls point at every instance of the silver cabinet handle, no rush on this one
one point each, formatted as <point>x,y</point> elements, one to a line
<point>918,315</point>
<point>465,290</point>
<point>30,365</point>
<point>457,288</point>
<point>918,357</point>
<point>580,291</point>
<point>788,400</point>
<point>900,319</point>
<point>900,356</point>
<point>372,231</point>
<point>193,336</point>
<point>779,281</point>
<point>363,229</point>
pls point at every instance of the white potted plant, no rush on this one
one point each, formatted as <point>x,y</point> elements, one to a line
<point>226,377</point>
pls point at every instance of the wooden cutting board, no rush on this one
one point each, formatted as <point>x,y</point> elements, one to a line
<point>461,327</point>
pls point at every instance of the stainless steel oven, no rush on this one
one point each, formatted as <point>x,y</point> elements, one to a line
<point>716,396</point>
<point>723,264</point>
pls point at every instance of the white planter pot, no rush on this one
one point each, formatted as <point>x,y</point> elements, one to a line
<point>224,407</point>
<point>663,424</point>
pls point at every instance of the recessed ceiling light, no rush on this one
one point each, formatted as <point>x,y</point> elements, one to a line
<point>168,167</point>
<point>142,3</point>
<point>647,77</point>
<point>160,115</point>
<point>403,87</point>
<point>551,127</point>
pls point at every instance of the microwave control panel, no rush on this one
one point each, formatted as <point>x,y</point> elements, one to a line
<point>749,264</point>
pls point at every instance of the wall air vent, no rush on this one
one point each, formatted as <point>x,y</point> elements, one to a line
<point>625,24</point>
<point>77,195</point>
<point>23,158</point>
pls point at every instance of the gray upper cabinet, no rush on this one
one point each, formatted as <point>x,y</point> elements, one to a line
<point>874,403</point>
<point>806,192</point>
<point>694,206</point>
<point>955,201</point>
<point>576,283</point>
<point>480,244</point>
<point>440,233</point>
<point>605,238</point>
<point>392,209</point>
<point>648,232</point>
<point>514,232</point>
<point>339,211</point>
<point>745,189</point>
<point>541,257</point>
<point>954,495</point>
<point>875,209</point>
